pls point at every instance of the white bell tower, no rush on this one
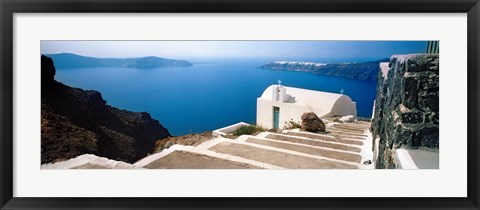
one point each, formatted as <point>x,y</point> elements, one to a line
<point>279,92</point>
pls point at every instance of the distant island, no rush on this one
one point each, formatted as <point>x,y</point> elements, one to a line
<point>70,61</point>
<point>204,62</point>
<point>361,71</point>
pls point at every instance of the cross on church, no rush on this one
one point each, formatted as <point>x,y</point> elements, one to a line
<point>279,82</point>
<point>341,91</point>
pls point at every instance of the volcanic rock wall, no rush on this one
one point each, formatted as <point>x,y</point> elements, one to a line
<point>406,112</point>
<point>76,122</point>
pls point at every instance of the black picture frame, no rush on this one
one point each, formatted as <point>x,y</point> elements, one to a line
<point>10,7</point>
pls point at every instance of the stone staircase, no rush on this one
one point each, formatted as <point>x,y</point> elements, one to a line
<point>342,146</point>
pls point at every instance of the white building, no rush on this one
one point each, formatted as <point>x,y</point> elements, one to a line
<point>279,104</point>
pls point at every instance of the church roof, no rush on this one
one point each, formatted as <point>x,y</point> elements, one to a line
<point>312,98</point>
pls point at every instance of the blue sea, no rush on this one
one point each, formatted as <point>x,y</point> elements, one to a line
<point>205,96</point>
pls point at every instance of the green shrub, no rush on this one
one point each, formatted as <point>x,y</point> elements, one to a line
<point>248,130</point>
<point>273,130</point>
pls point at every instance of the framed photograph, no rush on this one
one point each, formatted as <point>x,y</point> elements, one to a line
<point>239,105</point>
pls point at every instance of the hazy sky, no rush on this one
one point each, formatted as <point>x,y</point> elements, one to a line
<point>206,49</point>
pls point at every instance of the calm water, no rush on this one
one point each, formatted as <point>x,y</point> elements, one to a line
<point>205,96</point>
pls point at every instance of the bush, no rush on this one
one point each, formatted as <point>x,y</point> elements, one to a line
<point>248,130</point>
<point>273,130</point>
<point>292,124</point>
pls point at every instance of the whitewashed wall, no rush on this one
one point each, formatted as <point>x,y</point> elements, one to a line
<point>289,111</point>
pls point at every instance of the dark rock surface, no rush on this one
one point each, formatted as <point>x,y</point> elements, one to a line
<point>361,71</point>
<point>188,140</point>
<point>407,106</point>
<point>69,60</point>
<point>311,122</point>
<point>76,121</point>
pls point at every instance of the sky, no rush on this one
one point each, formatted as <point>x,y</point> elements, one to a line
<point>245,49</point>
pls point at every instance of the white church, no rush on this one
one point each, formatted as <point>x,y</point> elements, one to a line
<point>280,104</point>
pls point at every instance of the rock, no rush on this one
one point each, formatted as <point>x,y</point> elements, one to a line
<point>189,140</point>
<point>76,122</point>
<point>347,119</point>
<point>367,162</point>
<point>168,144</point>
<point>311,122</point>
<point>412,117</point>
<point>430,136</point>
<point>406,112</point>
<point>433,117</point>
<point>410,91</point>
<point>47,70</point>
<point>423,62</point>
<point>429,101</point>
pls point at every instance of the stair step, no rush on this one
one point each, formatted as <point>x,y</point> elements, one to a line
<point>355,131</point>
<point>350,126</point>
<point>278,157</point>
<point>90,166</point>
<point>328,130</point>
<point>335,132</point>
<point>338,155</point>
<point>324,137</point>
<point>188,160</point>
<point>348,137</point>
<point>318,143</point>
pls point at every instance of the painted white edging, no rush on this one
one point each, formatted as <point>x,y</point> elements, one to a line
<point>146,160</point>
<point>404,160</point>
<point>313,134</point>
<point>303,145</point>
<point>88,158</point>
<point>203,151</point>
<point>367,153</point>
<point>231,128</point>
<point>210,143</point>
<point>309,139</point>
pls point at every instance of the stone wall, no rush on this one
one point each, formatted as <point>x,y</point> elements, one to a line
<point>406,112</point>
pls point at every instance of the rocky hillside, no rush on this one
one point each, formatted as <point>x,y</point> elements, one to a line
<point>68,61</point>
<point>76,121</point>
<point>407,106</point>
<point>360,71</point>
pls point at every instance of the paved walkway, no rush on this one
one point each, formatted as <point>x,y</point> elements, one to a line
<point>342,146</point>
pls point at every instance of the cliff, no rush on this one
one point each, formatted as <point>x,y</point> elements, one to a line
<point>68,61</point>
<point>406,112</point>
<point>360,71</point>
<point>76,121</point>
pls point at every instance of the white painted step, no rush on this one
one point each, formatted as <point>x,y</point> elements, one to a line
<point>322,152</point>
<point>278,156</point>
<point>311,142</point>
<point>189,157</point>
<point>88,161</point>
<point>325,137</point>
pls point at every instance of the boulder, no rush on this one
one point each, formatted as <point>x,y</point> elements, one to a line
<point>311,122</point>
<point>347,119</point>
<point>47,71</point>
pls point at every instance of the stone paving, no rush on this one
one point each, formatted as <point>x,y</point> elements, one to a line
<point>342,146</point>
